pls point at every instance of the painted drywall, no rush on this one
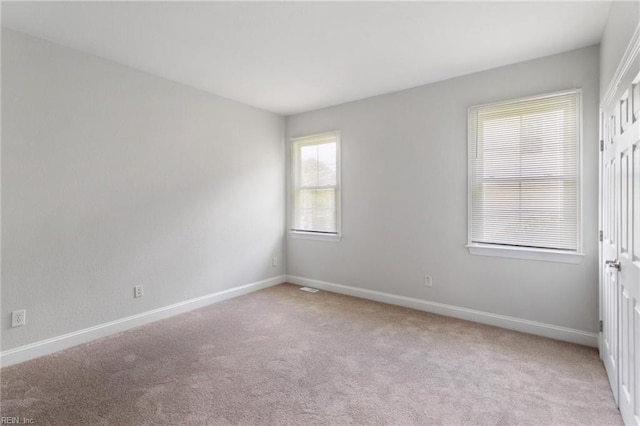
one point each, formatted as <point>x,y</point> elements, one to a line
<point>404,198</point>
<point>624,18</point>
<point>112,178</point>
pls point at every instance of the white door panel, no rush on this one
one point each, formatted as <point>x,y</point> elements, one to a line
<point>628,152</point>
<point>620,221</point>
<point>609,281</point>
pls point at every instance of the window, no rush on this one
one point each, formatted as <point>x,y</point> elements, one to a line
<point>524,185</point>
<point>316,185</point>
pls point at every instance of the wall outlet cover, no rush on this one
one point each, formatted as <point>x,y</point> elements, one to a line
<point>428,281</point>
<point>18,318</point>
<point>137,291</point>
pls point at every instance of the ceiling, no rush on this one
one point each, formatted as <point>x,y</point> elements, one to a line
<point>291,57</point>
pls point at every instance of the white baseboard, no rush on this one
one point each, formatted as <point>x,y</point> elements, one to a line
<point>503,321</point>
<point>55,344</point>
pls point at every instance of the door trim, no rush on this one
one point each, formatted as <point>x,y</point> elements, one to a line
<point>630,54</point>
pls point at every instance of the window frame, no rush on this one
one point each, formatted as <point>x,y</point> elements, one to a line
<point>295,143</point>
<point>527,253</point>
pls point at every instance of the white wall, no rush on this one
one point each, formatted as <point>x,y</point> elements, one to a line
<point>404,176</point>
<point>624,18</point>
<point>112,177</point>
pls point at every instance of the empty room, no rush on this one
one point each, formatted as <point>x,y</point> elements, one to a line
<point>320,213</point>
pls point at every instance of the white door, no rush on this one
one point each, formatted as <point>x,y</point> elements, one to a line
<point>620,271</point>
<point>627,143</point>
<point>609,250</point>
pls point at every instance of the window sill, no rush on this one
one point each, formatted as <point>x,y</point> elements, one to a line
<point>300,235</point>
<point>525,253</point>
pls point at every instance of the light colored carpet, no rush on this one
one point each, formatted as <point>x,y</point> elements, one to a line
<point>281,356</point>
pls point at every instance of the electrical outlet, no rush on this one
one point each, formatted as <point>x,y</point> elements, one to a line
<point>428,281</point>
<point>274,262</point>
<point>137,291</point>
<point>18,318</point>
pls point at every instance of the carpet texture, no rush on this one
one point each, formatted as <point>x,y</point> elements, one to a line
<point>282,356</point>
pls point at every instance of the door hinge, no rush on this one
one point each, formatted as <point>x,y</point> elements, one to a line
<point>601,145</point>
<point>600,236</point>
<point>600,325</point>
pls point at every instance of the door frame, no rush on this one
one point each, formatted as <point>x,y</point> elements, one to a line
<point>615,90</point>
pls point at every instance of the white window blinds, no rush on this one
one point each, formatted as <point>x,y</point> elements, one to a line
<point>316,183</point>
<point>524,175</point>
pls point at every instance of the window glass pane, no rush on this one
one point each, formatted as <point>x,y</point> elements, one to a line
<point>327,164</point>
<point>316,210</point>
<point>309,165</point>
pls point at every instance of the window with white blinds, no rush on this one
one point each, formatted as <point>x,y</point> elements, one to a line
<point>316,180</point>
<point>524,173</point>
